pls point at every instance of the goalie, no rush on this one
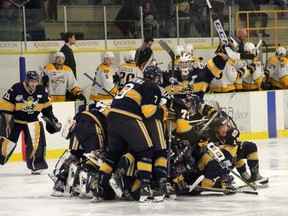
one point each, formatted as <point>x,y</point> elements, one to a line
<point>19,108</point>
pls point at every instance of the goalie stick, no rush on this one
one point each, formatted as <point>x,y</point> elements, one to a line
<point>172,56</point>
<point>221,33</point>
<point>100,86</point>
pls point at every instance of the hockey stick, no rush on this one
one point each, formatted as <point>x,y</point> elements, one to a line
<point>226,191</point>
<point>95,82</point>
<point>221,33</point>
<point>218,156</point>
<point>217,113</point>
<point>172,56</point>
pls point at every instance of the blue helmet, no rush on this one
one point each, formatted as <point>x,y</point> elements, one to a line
<point>152,71</point>
<point>32,75</point>
<point>195,101</point>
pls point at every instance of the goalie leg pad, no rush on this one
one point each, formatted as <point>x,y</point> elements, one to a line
<point>6,149</point>
<point>6,124</point>
<point>35,146</point>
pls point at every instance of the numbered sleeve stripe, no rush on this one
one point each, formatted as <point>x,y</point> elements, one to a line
<point>145,133</point>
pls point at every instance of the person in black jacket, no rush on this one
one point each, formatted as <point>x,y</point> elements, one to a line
<point>69,38</point>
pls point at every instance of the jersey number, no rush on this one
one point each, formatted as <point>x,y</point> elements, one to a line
<point>124,91</point>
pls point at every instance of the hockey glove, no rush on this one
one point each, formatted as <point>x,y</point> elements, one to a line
<point>80,96</point>
<point>116,78</point>
<point>45,80</point>
<point>241,72</point>
<point>251,68</point>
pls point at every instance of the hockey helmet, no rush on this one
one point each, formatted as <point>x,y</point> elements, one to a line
<point>32,75</point>
<point>130,56</point>
<point>281,51</point>
<point>178,50</point>
<point>59,54</point>
<point>152,72</point>
<point>109,55</point>
<point>249,47</point>
<point>195,102</point>
<point>189,49</point>
<point>52,126</point>
<point>219,121</point>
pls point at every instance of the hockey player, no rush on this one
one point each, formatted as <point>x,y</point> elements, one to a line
<point>20,107</point>
<point>127,70</point>
<point>201,76</point>
<point>104,77</point>
<point>254,79</point>
<point>226,81</point>
<point>91,133</point>
<point>138,99</point>
<point>242,72</point>
<point>58,78</point>
<point>279,78</point>
<point>178,52</point>
<point>189,50</point>
<point>226,138</point>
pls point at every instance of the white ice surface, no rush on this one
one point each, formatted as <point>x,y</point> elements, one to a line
<point>24,194</point>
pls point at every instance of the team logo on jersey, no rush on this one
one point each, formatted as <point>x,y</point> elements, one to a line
<point>57,80</point>
<point>30,105</point>
<point>19,98</point>
<point>39,96</point>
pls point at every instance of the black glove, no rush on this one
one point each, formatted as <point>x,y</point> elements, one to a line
<point>80,96</point>
<point>45,80</point>
<point>251,68</point>
<point>241,72</point>
<point>116,78</point>
<point>51,116</point>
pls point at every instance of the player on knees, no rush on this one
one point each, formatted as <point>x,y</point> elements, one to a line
<point>20,107</point>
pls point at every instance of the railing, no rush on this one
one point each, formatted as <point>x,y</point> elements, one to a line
<point>277,28</point>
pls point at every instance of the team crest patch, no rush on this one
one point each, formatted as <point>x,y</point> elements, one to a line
<point>235,133</point>
<point>19,98</point>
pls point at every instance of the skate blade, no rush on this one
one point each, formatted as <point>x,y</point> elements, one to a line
<point>97,199</point>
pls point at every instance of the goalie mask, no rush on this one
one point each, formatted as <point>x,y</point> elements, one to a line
<point>184,62</point>
<point>52,126</point>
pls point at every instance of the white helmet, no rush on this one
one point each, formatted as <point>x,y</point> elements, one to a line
<point>130,56</point>
<point>184,65</point>
<point>178,50</point>
<point>189,49</point>
<point>249,47</point>
<point>109,55</point>
<point>59,54</point>
<point>281,51</point>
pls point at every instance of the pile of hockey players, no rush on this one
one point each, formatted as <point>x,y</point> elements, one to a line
<point>195,146</point>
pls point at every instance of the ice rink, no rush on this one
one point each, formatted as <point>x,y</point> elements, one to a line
<point>24,194</point>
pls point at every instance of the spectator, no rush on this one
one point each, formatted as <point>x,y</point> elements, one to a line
<point>283,6</point>
<point>184,16</point>
<point>52,10</point>
<point>253,5</point>
<point>242,36</point>
<point>126,18</point>
<point>150,24</point>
